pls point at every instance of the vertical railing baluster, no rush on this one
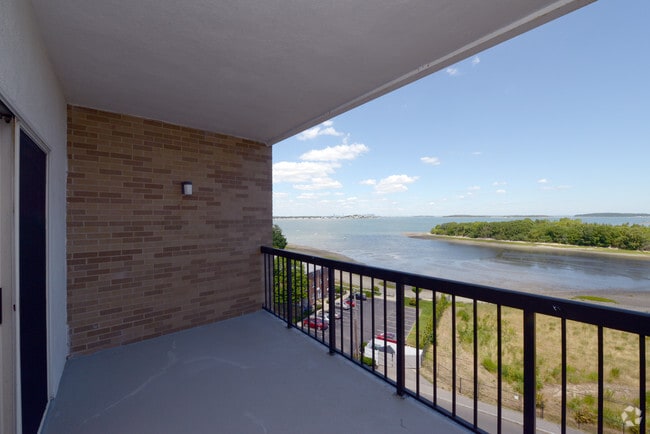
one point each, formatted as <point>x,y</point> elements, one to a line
<point>332,308</point>
<point>277,264</point>
<point>289,306</point>
<point>642,389</point>
<point>401,368</point>
<point>475,338</point>
<point>341,308</point>
<point>435,348</point>
<point>351,316</point>
<point>417,342</point>
<point>360,319</point>
<point>453,354</point>
<point>564,377</point>
<point>322,300</point>
<point>529,372</point>
<point>499,370</point>
<point>385,331</point>
<point>266,280</point>
<point>601,372</point>
<point>372,319</point>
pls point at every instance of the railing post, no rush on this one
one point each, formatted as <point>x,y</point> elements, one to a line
<point>529,372</point>
<point>401,341</point>
<point>289,306</point>
<point>331,301</point>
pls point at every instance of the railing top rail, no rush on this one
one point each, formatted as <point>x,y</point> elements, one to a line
<point>609,317</point>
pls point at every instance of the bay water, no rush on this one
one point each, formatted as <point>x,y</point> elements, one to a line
<point>381,242</point>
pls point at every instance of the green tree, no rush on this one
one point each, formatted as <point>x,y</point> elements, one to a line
<point>564,231</point>
<point>299,285</point>
<point>279,240</point>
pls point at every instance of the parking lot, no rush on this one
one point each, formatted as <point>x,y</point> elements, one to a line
<point>357,322</point>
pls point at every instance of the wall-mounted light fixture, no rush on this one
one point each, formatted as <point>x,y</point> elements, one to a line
<point>5,113</point>
<point>187,188</point>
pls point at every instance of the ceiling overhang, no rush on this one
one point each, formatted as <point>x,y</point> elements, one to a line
<point>265,70</point>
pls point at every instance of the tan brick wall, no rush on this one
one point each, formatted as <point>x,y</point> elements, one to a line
<point>144,260</point>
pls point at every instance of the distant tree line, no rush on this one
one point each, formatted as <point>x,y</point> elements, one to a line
<point>564,231</point>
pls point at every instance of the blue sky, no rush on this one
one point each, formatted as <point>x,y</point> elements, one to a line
<point>555,122</point>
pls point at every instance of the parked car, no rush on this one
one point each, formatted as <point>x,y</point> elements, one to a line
<point>388,336</point>
<point>381,349</point>
<point>315,323</point>
<point>346,305</point>
<point>360,296</point>
<point>337,315</point>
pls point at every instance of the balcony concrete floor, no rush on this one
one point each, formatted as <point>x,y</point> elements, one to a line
<point>245,375</point>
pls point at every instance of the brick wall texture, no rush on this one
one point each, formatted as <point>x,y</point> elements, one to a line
<point>144,260</point>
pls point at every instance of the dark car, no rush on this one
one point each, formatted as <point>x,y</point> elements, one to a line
<point>360,296</point>
<point>388,336</point>
<point>316,323</point>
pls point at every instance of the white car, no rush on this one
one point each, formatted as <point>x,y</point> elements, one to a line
<point>412,356</point>
<point>337,315</point>
<point>346,306</point>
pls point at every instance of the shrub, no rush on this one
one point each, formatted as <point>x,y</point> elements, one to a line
<point>489,364</point>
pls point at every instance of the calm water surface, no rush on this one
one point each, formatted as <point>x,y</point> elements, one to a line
<point>381,242</point>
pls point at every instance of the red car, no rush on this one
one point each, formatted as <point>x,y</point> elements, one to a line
<point>389,336</point>
<point>315,323</point>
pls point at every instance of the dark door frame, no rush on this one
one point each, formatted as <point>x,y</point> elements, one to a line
<point>32,290</point>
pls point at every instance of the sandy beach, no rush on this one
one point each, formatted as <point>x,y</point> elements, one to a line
<point>531,247</point>
<point>638,301</point>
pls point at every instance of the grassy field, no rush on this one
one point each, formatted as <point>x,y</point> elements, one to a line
<point>621,363</point>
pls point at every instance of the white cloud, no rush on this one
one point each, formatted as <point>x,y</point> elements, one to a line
<point>280,195</point>
<point>499,183</point>
<point>542,181</point>
<point>477,153</point>
<point>434,161</point>
<point>394,184</point>
<point>335,153</point>
<point>303,172</point>
<point>474,188</point>
<point>476,60</point>
<point>319,183</point>
<point>452,71</point>
<point>500,191</point>
<point>368,182</point>
<point>556,187</point>
<point>324,129</point>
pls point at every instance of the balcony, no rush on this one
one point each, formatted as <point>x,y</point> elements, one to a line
<point>272,372</point>
<point>492,360</point>
<point>245,375</point>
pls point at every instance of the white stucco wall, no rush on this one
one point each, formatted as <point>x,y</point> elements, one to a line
<point>29,86</point>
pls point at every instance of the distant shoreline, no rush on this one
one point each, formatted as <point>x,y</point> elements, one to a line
<point>529,246</point>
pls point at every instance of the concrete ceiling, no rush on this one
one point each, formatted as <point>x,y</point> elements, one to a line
<point>265,69</point>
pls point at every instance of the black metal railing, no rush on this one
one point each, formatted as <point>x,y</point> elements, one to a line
<point>479,355</point>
